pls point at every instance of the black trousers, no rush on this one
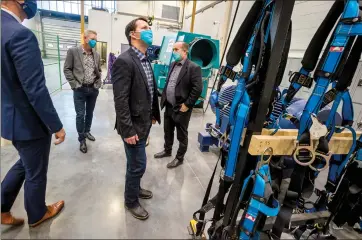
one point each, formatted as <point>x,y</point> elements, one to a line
<point>180,121</point>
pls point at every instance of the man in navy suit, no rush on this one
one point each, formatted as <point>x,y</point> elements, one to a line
<point>28,117</point>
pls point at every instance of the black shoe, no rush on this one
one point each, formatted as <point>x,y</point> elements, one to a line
<point>145,194</point>
<point>138,212</point>
<point>89,136</point>
<point>83,147</point>
<point>176,162</point>
<point>162,154</point>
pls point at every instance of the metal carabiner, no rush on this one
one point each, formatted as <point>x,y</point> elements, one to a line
<point>264,162</point>
<point>309,148</point>
<point>326,158</point>
<point>223,139</point>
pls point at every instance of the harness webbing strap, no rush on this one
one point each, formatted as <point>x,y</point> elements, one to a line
<point>202,211</point>
<point>329,97</point>
<point>257,189</point>
<point>290,201</point>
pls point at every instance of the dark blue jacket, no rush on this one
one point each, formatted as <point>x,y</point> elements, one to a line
<point>27,111</point>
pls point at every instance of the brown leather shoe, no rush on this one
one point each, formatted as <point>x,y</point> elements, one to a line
<point>8,219</point>
<point>53,210</point>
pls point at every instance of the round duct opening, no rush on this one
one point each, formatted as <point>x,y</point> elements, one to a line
<point>203,52</point>
<point>157,52</point>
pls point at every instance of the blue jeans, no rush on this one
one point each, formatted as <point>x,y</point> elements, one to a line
<point>136,167</point>
<point>84,103</point>
<point>32,167</point>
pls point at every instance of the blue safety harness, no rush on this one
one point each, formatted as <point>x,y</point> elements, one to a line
<point>256,196</point>
<point>237,120</point>
<point>261,203</point>
<point>341,50</point>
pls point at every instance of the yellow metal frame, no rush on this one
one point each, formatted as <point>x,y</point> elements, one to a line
<point>193,16</point>
<point>82,22</point>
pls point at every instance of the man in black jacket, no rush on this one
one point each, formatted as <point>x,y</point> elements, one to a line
<point>136,105</point>
<point>182,90</point>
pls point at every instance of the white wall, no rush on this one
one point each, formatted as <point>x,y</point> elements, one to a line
<point>146,8</point>
<point>118,27</point>
<point>307,16</point>
<point>100,21</point>
<point>209,22</point>
<point>111,27</point>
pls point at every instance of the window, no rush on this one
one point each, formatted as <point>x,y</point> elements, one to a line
<point>108,5</point>
<point>75,8</point>
<point>89,3</point>
<point>45,5</point>
<point>53,5</point>
<point>67,7</point>
<point>60,6</point>
<point>170,12</point>
<point>86,9</point>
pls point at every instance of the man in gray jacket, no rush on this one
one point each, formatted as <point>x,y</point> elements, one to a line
<point>82,69</point>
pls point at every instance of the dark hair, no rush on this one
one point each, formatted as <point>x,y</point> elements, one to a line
<point>131,26</point>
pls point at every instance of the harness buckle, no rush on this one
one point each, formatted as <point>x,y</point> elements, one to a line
<point>302,79</point>
<point>306,149</point>
<point>321,156</point>
<point>228,72</point>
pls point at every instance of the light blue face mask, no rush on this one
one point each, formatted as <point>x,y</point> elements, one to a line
<point>177,56</point>
<point>147,36</point>
<point>92,43</point>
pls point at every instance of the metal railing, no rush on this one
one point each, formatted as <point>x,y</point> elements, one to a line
<point>53,51</point>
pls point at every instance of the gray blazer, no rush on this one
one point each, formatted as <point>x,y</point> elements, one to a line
<point>74,67</point>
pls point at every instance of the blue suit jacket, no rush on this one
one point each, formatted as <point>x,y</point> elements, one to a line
<point>27,111</point>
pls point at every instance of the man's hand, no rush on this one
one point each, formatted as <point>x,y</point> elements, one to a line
<point>132,140</point>
<point>60,136</point>
<point>153,121</point>
<point>184,108</point>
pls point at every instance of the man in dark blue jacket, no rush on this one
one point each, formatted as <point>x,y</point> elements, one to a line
<point>28,117</point>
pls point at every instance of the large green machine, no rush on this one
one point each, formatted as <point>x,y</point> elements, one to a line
<point>203,51</point>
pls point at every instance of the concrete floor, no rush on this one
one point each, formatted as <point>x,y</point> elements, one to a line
<point>92,184</point>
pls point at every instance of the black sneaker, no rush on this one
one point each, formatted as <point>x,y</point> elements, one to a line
<point>138,212</point>
<point>145,194</point>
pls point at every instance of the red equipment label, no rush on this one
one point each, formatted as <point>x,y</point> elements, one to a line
<point>251,218</point>
<point>336,49</point>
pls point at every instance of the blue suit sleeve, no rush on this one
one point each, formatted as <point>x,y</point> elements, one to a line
<point>26,57</point>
